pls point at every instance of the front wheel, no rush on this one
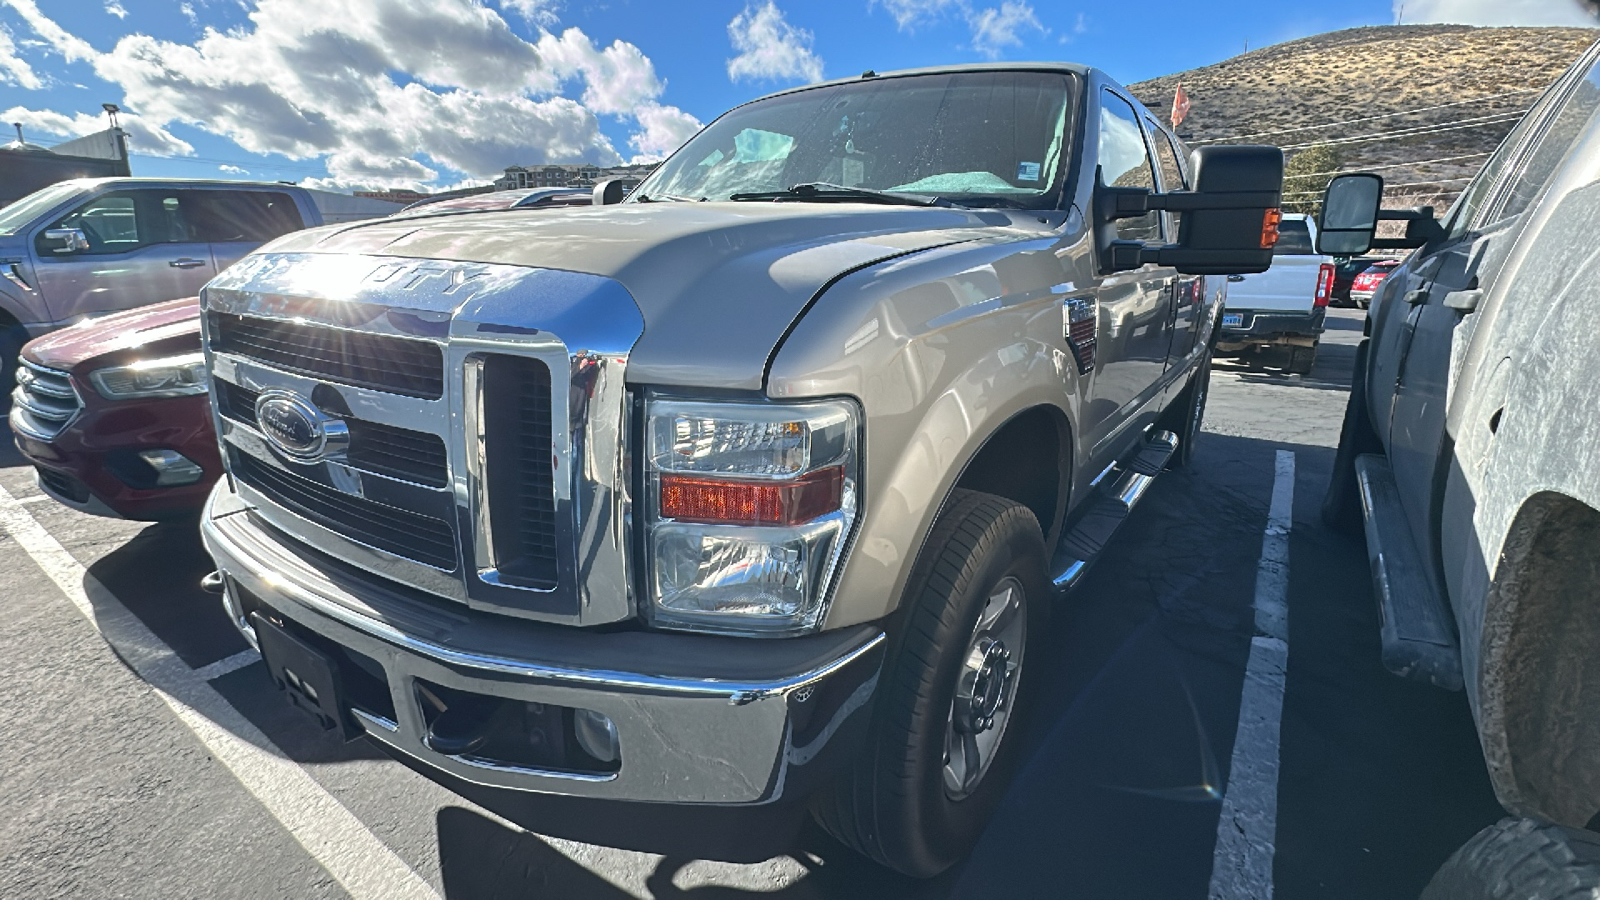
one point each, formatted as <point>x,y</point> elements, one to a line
<point>1521,859</point>
<point>942,743</point>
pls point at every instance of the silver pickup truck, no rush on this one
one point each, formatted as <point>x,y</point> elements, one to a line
<point>750,490</point>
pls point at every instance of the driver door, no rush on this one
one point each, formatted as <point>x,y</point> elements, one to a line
<point>140,251</point>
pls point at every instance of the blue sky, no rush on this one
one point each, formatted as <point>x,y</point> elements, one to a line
<point>433,93</point>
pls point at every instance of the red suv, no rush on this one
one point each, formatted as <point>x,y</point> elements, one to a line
<point>114,416</point>
<point>1366,284</point>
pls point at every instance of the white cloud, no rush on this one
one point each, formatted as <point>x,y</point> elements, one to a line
<point>188,13</point>
<point>1494,12</point>
<point>70,46</point>
<point>770,48</point>
<point>13,68</point>
<point>115,8</point>
<point>997,28</point>
<point>910,13</point>
<point>537,12</point>
<point>144,136</point>
<point>232,170</point>
<point>662,129</point>
<point>994,28</point>
<point>387,92</point>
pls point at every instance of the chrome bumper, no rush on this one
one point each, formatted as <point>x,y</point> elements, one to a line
<point>700,719</point>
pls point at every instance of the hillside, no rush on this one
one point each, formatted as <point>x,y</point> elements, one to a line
<point>1287,94</point>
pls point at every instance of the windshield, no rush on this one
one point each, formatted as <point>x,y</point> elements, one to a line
<point>16,217</point>
<point>978,138</point>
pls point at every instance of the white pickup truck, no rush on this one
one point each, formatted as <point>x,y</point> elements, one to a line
<point>1284,306</point>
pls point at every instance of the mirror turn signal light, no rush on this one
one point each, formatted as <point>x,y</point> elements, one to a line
<point>1269,228</point>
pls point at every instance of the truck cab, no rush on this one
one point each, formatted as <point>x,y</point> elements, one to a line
<point>747,491</point>
<point>90,246</point>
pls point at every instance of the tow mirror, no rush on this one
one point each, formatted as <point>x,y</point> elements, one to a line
<point>610,191</point>
<point>1230,219</point>
<point>1349,218</point>
<point>64,240</point>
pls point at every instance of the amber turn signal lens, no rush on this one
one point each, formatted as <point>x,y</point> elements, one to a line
<point>1269,228</point>
<point>719,501</point>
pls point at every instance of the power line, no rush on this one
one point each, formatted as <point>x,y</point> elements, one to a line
<point>1419,131</point>
<point>1403,165</point>
<point>1243,137</point>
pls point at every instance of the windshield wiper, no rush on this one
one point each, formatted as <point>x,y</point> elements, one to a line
<point>658,198</point>
<point>822,190</point>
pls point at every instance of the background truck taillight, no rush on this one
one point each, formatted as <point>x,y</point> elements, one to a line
<point>1324,284</point>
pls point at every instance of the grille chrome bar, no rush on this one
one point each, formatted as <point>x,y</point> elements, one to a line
<point>44,402</point>
<point>406,366</point>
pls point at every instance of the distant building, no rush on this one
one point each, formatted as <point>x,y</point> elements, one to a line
<point>567,175</point>
<point>394,196</point>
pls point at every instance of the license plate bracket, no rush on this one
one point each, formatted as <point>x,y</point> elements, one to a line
<point>1233,320</point>
<point>308,678</point>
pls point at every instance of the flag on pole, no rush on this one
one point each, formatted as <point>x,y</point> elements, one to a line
<point>1180,106</point>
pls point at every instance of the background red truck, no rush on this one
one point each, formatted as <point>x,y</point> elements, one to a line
<point>113,413</point>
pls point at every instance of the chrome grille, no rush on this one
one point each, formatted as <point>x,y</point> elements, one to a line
<point>382,449</point>
<point>404,533</point>
<point>44,402</point>
<point>381,362</point>
<point>521,484</point>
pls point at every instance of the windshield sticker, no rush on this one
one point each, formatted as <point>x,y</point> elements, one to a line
<point>1027,171</point>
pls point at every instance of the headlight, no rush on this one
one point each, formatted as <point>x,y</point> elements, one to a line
<point>173,376</point>
<point>750,507</point>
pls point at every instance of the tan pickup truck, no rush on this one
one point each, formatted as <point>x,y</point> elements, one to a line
<point>751,489</point>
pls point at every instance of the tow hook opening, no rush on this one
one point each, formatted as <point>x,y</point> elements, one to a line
<point>506,732</point>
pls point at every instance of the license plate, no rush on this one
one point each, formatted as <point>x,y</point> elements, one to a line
<point>308,677</point>
<point>1233,320</point>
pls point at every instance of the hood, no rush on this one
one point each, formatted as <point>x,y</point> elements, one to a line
<point>148,332</point>
<point>737,274</point>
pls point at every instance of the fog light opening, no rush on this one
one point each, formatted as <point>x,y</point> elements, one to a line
<point>172,468</point>
<point>597,735</point>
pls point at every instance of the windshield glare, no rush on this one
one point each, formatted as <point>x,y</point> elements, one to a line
<point>16,216</point>
<point>970,137</point>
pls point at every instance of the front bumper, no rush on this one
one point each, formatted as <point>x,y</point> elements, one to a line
<point>700,719</point>
<point>92,464</point>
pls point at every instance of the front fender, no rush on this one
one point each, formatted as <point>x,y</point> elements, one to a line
<point>942,348</point>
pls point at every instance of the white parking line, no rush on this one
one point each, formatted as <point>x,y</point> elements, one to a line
<point>1241,865</point>
<point>335,838</point>
<point>226,665</point>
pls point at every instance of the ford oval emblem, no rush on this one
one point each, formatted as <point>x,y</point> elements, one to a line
<point>296,428</point>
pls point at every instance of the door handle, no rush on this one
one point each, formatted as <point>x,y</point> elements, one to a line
<point>1420,295</point>
<point>187,263</point>
<point>1236,278</point>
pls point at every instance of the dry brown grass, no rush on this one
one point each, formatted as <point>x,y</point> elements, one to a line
<point>1369,71</point>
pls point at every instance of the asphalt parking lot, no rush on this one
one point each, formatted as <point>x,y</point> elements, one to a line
<point>157,760</point>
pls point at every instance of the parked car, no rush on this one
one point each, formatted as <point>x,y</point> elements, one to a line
<point>1285,307</point>
<point>1366,284</point>
<point>1468,460</point>
<point>521,198</point>
<point>528,492</point>
<point>1344,275</point>
<point>113,413</point>
<point>91,246</point>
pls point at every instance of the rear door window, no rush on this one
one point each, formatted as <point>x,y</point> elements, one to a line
<point>1173,177</point>
<point>1551,148</point>
<point>224,216</point>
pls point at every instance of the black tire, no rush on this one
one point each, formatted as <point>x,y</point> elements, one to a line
<point>892,805</point>
<point>1341,505</point>
<point>1521,859</point>
<point>12,337</point>
<point>1301,360</point>
<point>1185,417</point>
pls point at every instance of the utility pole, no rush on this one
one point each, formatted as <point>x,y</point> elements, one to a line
<point>1400,17</point>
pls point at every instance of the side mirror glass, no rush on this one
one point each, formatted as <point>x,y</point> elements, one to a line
<point>64,241</point>
<point>1349,218</point>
